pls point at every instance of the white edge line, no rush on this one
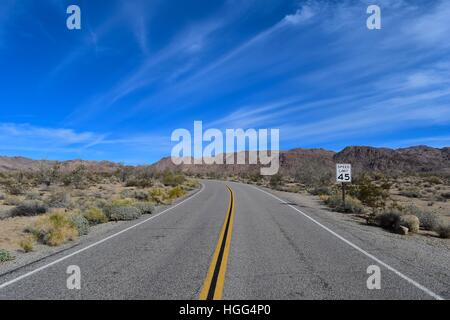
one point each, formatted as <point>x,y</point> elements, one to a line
<point>401,275</point>
<point>26,275</point>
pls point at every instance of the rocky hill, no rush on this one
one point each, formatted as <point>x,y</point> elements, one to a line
<point>295,162</point>
<point>10,164</point>
<point>320,162</point>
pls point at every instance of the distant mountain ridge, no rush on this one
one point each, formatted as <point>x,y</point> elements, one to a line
<point>10,164</point>
<point>417,159</point>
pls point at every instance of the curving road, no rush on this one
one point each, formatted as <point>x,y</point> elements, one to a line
<point>231,243</point>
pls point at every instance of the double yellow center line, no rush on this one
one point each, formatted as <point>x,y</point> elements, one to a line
<point>213,285</point>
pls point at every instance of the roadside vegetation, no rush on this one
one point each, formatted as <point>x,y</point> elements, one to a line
<point>52,207</point>
<point>401,204</point>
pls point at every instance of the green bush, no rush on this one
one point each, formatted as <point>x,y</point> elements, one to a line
<point>388,219</point>
<point>80,223</point>
<point>29,208</point>
<point>145,207</point>
<point>5,256</point>
<point>122,212</point>
<point>95,216</point>
<point>176,192</point>
<point>168,178</point>
<point>158,195</point>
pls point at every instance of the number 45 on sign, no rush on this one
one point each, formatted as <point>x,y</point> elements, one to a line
<point>343,173</point>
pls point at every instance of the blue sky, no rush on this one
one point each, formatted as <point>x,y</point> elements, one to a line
<point>139,69</point>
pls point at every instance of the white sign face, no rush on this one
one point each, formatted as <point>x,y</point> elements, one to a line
<point>343,172</point>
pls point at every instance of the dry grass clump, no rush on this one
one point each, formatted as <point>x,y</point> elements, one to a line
<point>95,216</point>
<point>176,192</point>
<point>54,229</point>
<point>158,195</point>
<point>27,243</point>
<point>12,200</point>
<point>352,205</point>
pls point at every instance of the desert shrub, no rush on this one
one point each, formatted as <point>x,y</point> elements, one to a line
<point>170,179</point>
<point>59,199</point>
<point>145,207</point>
<point>193,184</point>
<point>352,205</point>
<point>95,216</point>
<point>122,212</point>
<point>388,219</point>
<point>80,223</point>
<point>2,196</point>
<point>5,256</point>
<point>79,178</point>
<point>433,180</point>
<point>54,229</point>
<point>410,193</point>
<point>443,231</point>
<point>176,192</point>
<point>428,220</point>
<point>29,208</point>
<point>27,243</point>
<point>14,187</point>
<point>11,201</point>
<point>321,190</point>
<point>158,195</point>
<point>409,221</point>
<point>136,194</point>
<point>445,195</point>
<point>275,180</point>
<point>123,202</point>
<point>370,194</point>
<point>49,175</point>
<point>32,196</point>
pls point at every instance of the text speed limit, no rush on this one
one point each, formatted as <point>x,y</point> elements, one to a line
<point>343,173</point>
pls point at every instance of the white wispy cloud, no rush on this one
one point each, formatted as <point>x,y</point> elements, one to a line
<point>16,138</point>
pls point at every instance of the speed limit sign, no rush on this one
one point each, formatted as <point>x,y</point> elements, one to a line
<point>343,172</point>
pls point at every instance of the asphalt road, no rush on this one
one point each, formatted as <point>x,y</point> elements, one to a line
<point>239,244</point>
